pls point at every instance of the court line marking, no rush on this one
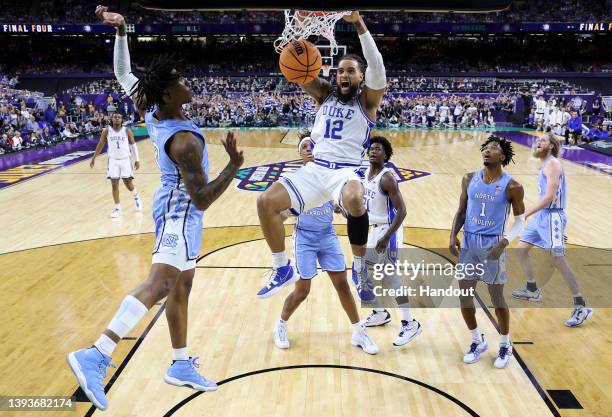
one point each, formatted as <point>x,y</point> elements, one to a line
<point>352,368</point>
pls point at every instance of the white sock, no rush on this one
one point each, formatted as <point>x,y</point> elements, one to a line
<point>180,354</point>
<point>135,193</point>
<point>357,262</point>
<point>105,344</point>
<point>281,321</point>
<point>279,259</point>
<point>118,206</point>
<point>505,339</point>
<point>379,310</point>
<point>476,335</point>
<point>130,312</point>
<point>406,314</point>
<point>357,327</point>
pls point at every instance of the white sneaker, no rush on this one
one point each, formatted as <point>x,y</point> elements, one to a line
<point>410,330</point>
<point>116,213</point>
<point>473,355</point>
<point>362,340</point>
<point>525,294</point>
<point>138,203</point>
<point>280,335</point>
<point>504,356</point>
<point>378,318</point>
<point>579,316</point>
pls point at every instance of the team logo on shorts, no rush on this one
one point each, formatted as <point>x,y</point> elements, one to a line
<point>259,178</point>
<point>169,240</point>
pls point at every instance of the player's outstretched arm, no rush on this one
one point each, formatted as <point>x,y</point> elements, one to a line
<point>375,75</point>
<point>459,219</point>
<point>389,185</point>
<point>99,147</point>
<point>318,89</point>
<point>186,150</point>
<point>121,54</point>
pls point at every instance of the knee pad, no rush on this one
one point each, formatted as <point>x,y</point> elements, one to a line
<point>357,228</point>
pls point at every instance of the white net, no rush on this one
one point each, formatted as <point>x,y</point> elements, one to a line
<point>302,24</point>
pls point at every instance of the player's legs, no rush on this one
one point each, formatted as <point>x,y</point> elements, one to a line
<point>529,238</point>
<point>89,365</point>
<point>176,311</point>
<point>295,298</point>
<point>502,312</point>
<point>129,184</point>
<point>115,189</point>
<point>357,224</point>
<point>581,312</point>
<point>344,294</point>
<point>270,204</point>
<point>468,311</point>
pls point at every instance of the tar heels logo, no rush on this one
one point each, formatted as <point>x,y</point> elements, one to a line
<point>170,240</point>
<point>260,178</point>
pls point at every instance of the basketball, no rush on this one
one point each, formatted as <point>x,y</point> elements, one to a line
<point>300,61</point>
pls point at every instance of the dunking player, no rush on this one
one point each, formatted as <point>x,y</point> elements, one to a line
<point>120,141</point>
<point>344,119</point>
<point>547,229</point>
<point>178,207</point>
<point>486,196</point>
<point>386,211</point>
<point>314,238</point>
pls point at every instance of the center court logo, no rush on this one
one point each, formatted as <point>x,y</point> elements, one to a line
<point>259,178</point>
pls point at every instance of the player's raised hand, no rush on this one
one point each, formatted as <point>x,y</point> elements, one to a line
<point>353,17</point>
<point>236,157</point>
<point>109,18</point>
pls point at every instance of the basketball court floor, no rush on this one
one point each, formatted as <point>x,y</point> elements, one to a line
<point>66,266</point>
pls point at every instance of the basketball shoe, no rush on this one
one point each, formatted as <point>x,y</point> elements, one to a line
<point>361,339</point>
<point>89,367</point>
<point>184,373</point>
<point>525,294</point>
<point>116,213</point>
<point>504,356</point>
<point>378,318</point>
<point>579,315</point>
<point>280,335</point>
<point>279,278</point>
<point>410,330</point>
<point>138,203</point>
<point>476,348</point>
<point>365,288</point>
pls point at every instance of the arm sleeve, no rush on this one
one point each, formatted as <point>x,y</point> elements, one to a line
<point>134,150</point>
<point>122,65</point>
<point>375,76</point>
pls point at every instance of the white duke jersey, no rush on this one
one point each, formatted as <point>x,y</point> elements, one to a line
<point>378,204</point>
<point>341,131</point>
<point>118,143</point>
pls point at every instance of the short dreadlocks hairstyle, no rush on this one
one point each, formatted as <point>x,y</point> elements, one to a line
<point>151,87</point>
<point>504,144</point>
<point>385,144</point>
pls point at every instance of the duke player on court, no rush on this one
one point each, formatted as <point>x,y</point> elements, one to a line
<point>386,211</point>
<point>121,145</point>
<point>314,238</point>
<point>484,206</point>
<point>345,116</point>
<point>547,229</point>
<point>178,208</point>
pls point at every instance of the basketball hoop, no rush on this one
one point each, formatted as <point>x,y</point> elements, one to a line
<point>302,24</point>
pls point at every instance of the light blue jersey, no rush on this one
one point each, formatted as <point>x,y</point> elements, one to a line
<point>547,227</point>
<point>488,205</point>
<point>487,211</point>
<point>318,219</point>
<point>314,238</point>
<point>177,220</point>
<point>561,193</point>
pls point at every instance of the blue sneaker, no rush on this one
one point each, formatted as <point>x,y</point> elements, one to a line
<point>279,278</point>
<point>184,373</point>
<point>365,288</point>
<point>89,367</point>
